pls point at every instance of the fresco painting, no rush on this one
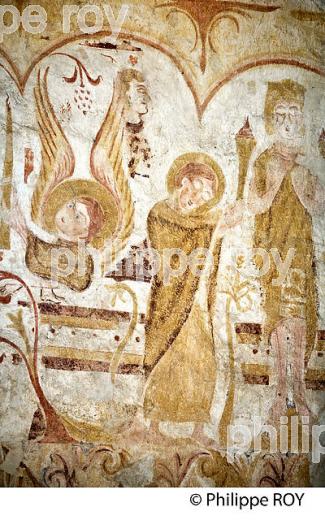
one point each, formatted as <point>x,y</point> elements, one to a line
<point>162,248</point>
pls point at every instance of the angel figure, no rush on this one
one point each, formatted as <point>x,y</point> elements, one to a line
<point>95,212</point>
<point>129,103</point>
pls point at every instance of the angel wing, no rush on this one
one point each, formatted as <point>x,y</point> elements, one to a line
<point>106,166</point>
<point>57,156</point>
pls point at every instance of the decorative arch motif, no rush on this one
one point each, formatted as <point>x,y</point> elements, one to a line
<point>21,80</point>
<point>205,14</point>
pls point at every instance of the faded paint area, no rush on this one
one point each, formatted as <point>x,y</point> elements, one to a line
<point>162,247</point>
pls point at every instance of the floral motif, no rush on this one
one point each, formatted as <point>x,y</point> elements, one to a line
<point>205,14</point>
<point>82,94</point>
<point>174,475</point>
<point>72,469</point>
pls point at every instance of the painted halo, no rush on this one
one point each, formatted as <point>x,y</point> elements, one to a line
<point>197,158</point>
<point>75,189</point>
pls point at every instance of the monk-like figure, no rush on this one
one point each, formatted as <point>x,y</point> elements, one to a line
<point>179,351</point>
<point>283,197</point>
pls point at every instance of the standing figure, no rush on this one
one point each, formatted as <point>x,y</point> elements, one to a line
<point>179,350</point>
<point>283,196</point>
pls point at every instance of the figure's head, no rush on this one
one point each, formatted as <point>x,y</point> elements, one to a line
<point>136,93</point>
<point>284,107</point>
<point>81,209</point>
<point>196,184</point>
<point>79,219</point>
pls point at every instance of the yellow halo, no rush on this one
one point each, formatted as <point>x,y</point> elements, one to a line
<point>198,158</point>
<point>73,189</point>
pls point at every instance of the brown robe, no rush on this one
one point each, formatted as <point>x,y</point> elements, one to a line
<point>179,351</point>
<point>286,224</point>
<point>38,260</point>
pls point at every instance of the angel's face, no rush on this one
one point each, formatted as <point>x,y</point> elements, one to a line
<point>72,221</point>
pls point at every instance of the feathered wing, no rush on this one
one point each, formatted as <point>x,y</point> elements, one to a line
<point>57,156</point>
<point>107,168</point>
